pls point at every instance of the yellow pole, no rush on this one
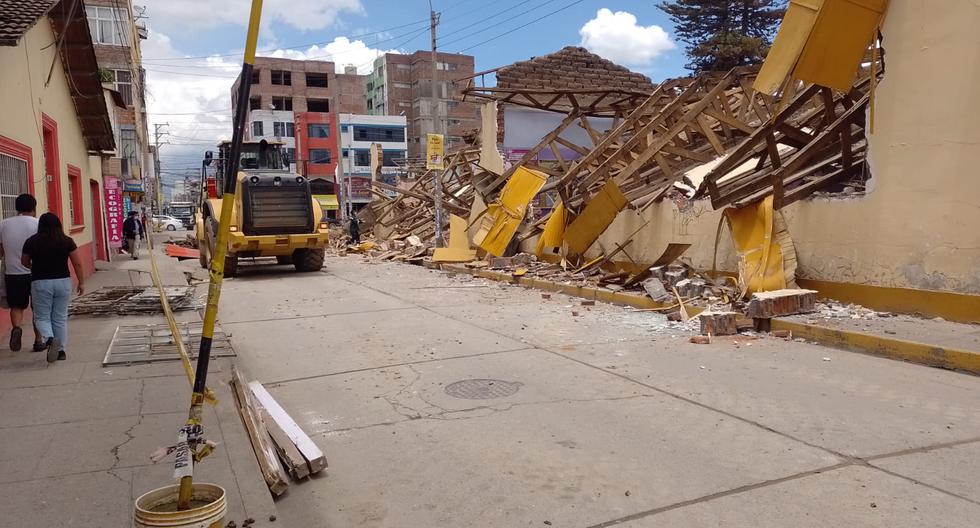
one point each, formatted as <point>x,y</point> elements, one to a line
<point>193,430</point>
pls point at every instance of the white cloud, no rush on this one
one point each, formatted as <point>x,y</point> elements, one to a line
<point>341,51</point>
<point>182,16</point>
<point>618,37</point>
<point>194,95</point>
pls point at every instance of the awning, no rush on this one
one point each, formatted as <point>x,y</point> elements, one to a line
<point>328,202</point>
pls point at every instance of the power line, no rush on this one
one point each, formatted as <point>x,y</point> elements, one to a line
<point>522,26</point>
<point>487,19</point>
<point>307,45</point>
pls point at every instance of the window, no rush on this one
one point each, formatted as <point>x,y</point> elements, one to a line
<point>319,130</point>
<point>403,67</point>
<point>283,129</point>
<point>379,133</point>
<point>122,82</point>
<point>282,77</point>
<point>389,157</point>
<point>319,156</point>
<point>318,105</point>
<point>255,103</point>
<point>108,25</point>
<point>75,210</point>
<point>316,80</point>
<point>13,181</point>
<point>291,154</point>
<point>343,128</point>
<point>128,149</point>
<point>257,129</point>
<point>403,85</point>
<point>282,103</point>
<point>255,77</point>
<point>321,186</point>
<point>452,104</point>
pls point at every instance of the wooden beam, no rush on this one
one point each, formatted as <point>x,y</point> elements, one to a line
<point>273,473</point>
<point>310,451</point>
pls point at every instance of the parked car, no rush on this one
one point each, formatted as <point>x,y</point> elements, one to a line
<point>167,222</point>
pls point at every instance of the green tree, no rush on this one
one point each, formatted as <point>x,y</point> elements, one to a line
<point>722,34</point>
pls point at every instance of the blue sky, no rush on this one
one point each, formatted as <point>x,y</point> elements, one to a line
<point>194,50</point>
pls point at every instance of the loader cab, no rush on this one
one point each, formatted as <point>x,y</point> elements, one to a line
<point>263,156</point>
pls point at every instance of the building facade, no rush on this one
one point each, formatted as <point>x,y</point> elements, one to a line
<point>401,85</point>
<point>357,134</point>
<point>282,89</point>
<point>116,34</point>
<point>55,131</point>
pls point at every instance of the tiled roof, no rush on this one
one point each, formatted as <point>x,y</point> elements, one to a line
<point>17,16</point>
<point>571,68</point>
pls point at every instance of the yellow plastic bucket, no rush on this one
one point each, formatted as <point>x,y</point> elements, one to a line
<point>158,508</point>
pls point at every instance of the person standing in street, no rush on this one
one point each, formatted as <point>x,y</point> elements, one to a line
<point>47,254</point>
<point>14,231</point>
<point>355,230</point>
<point>133,231</point>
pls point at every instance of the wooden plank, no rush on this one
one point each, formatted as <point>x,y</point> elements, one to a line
<point>288,453</point>
<point>307,447</point>
<point>273,473</point>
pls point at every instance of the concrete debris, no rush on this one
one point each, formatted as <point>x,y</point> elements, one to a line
<point>655,289</point>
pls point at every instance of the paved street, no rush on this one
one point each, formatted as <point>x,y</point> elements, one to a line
<point>606,418</point>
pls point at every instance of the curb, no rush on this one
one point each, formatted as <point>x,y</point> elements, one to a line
<point>899,349</point>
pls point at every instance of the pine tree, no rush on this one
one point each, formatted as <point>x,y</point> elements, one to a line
<point>722,34</point>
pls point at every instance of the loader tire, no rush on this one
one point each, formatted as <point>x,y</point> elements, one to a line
<point>231,265</point>
<point>308,259</point>
<point>284,259</point>
<point>203,256</point>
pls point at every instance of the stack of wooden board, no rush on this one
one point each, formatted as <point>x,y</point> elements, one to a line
<point>279,443</point>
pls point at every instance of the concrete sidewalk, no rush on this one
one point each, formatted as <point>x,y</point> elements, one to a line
<point>75,437</point>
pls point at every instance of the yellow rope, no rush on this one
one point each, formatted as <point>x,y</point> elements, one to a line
<point>185,359</point>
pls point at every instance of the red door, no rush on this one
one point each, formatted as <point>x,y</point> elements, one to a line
<point>100,248</point>
<point>52,165</point>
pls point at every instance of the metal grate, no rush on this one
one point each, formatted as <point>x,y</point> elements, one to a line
<point>151,343</point>
<point>130,300</point>
<point>482,389</point>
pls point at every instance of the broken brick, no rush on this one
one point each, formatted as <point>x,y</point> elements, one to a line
<point>718,323</point>
<point>777,303</point>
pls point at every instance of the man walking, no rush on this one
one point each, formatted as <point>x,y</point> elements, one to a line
<point>133,232</point>
<point>14,231</point>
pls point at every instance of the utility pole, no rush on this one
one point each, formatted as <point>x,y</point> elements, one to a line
<point>155,198</point>
<point>437,182</point>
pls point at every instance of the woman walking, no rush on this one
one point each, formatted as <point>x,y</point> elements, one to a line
<point>47,254</point>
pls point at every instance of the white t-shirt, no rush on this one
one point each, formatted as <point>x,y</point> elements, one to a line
<point>14,232</point>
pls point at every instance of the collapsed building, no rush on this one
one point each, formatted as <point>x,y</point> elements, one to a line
<point>843,179</point>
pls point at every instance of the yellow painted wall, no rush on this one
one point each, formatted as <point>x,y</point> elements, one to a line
<point>24,97</point>
<point>919,225</point>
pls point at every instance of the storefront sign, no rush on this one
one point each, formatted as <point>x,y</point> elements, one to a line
<point>114,211</point>
<point>133,186</point>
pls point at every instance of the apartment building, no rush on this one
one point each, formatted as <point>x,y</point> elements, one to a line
<point>283,88</point>
<point>116,32</point>
<point>401,85</point>
<point>357,134</point>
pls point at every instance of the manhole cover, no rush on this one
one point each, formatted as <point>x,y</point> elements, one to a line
<point>482,389</point>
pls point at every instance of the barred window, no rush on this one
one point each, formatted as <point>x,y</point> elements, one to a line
<point>13,182</point>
